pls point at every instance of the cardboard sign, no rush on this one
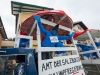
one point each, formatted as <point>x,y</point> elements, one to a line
<point>54,39</point>
<point>65,65</point>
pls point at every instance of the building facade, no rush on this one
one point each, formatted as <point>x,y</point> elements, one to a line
<point>2,32</point>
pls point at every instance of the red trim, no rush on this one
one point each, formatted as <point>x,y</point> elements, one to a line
<point>94,30</point>
<point>49,11</point>
<point>79,33</point>
<point>75,73</point>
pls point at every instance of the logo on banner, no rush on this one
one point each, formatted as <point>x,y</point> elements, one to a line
<point>54,39</point>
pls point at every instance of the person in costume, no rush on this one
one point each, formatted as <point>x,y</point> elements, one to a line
<point>47,42</point>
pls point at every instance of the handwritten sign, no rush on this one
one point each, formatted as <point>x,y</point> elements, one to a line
<point>66,65</point>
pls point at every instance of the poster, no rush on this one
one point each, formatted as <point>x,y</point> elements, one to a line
<point>65,65</point>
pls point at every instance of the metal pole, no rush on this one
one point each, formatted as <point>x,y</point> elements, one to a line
<point>34,25</point>
<point>93,43</point>
<point>39,46</point>
<point>17,31</point>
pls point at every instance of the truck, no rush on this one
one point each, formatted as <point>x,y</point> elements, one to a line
<point>28,60</point>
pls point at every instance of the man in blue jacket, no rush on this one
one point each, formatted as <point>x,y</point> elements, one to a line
<point>50,37</point>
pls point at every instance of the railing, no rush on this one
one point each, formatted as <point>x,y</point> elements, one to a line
<point>91,61</point>
<point>58,63</point>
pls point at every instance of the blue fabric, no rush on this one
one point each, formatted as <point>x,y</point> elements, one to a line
<point>87,48</point>
<point>97,44</point>
<point>84,48</point>
<point>60,45</point>
<point>95,56</point>
<point>23,42</point>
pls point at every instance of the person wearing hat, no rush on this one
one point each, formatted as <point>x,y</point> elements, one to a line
<point>51,38</point>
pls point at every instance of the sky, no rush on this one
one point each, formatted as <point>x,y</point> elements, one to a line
<point>87,11</point>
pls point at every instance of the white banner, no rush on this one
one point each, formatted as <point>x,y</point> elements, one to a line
<point>65,65</point>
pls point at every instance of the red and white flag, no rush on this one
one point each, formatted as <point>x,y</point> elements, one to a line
<point>79,28</point>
